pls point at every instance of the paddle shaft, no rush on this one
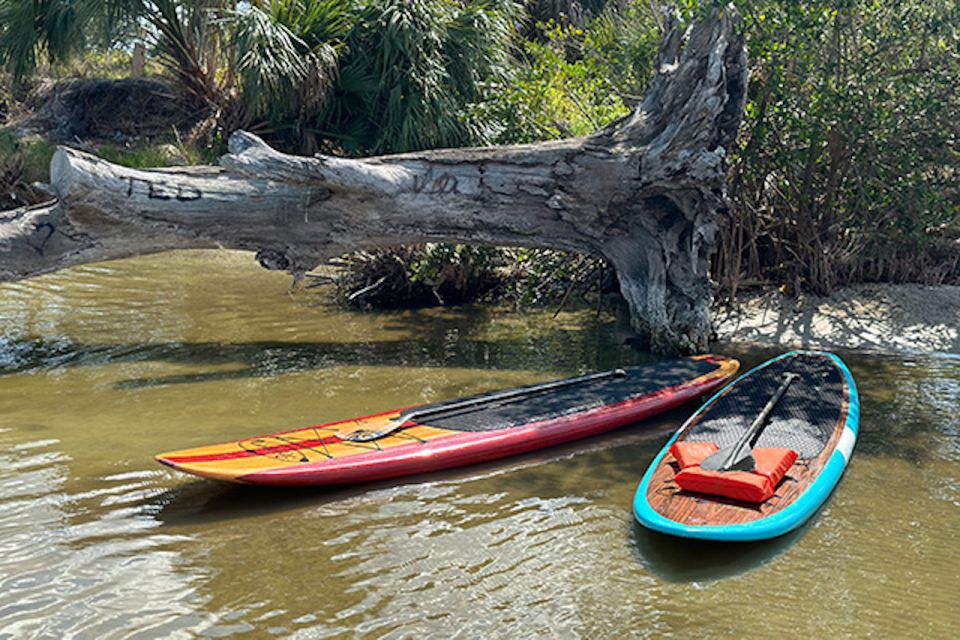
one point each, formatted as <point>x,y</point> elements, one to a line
<point>733,456</point>
<point>514,394</point>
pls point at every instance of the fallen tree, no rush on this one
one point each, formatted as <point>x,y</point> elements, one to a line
<point>646,193</point>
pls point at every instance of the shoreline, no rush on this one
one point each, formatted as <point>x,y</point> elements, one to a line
<point>884,318</point>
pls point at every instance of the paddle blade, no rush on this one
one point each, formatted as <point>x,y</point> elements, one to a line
<point>721,460</point>
<point>361,435</point>
<point>371,430</point>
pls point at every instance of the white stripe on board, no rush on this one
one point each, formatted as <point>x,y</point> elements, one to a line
<point>847,439</point>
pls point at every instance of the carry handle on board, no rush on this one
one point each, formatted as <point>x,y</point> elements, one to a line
<point>738,456</point>
<point>365,435</point>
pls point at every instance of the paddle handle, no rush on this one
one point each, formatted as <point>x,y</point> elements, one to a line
<point>362,435</point>
<point>758,422</point>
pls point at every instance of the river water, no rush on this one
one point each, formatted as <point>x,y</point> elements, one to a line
<point>103,366</point>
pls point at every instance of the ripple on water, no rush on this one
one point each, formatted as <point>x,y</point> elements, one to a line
<point>63,577</point>
<point>435,560</point>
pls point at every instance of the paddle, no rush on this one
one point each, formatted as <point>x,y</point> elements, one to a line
<point>738,456</point>
<point>365,435</point>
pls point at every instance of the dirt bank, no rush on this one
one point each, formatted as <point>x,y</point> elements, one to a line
<point>886,318</point>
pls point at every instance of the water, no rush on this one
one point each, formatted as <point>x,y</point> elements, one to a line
<point>103,366</point>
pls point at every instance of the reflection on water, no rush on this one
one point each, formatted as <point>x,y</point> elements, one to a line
<point>101,367</point>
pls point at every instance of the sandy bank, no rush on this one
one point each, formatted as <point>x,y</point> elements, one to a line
<point>887,318</point>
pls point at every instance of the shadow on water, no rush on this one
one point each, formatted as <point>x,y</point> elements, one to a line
<point>206,501</point>
<point>567,350</point>
<point>686,560</point>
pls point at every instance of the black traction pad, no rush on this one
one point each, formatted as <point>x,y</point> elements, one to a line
<point>803,419</point>
<point>639,381</point>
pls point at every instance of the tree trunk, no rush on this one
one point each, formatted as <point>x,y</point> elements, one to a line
<point>645,192</point>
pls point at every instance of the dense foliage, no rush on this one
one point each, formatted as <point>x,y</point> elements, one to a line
<point>849,166</point>
<point>847,169</point>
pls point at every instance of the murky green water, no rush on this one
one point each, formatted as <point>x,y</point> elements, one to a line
<point>104,366</point>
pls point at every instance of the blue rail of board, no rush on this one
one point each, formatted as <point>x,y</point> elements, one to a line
<point>782,521</point>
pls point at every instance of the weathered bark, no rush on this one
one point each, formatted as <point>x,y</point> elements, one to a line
<point>645,193</point>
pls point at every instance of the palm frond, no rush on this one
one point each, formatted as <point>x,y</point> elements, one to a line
<point>287,61</point>
<point>55,29</point>
<point>182,34</point>
<point>413,67</point>
<point>316,22</point>
<point>19,36</point>
<point>270,59</point>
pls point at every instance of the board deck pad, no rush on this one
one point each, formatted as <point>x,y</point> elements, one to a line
<point>803,420</point>
<point>639,381</point>
<point>818,417</point>
<point>444,439</point>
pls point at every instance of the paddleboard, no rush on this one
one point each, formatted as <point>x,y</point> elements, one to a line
<point>457,432</point>
<point>816,418</point>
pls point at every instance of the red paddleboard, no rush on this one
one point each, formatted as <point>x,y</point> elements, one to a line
<point>458,432</point>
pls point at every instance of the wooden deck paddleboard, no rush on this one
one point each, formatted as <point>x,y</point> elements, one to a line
<point>817,417</point>
<point>458,432</point>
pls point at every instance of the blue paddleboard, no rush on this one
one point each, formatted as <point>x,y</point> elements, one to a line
<point>816,415</point>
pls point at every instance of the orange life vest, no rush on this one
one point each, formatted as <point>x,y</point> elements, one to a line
<point>754,486</point>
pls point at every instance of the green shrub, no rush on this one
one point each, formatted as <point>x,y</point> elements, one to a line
<point>574,81</point>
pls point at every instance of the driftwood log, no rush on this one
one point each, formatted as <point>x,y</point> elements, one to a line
<point>646,193</point>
